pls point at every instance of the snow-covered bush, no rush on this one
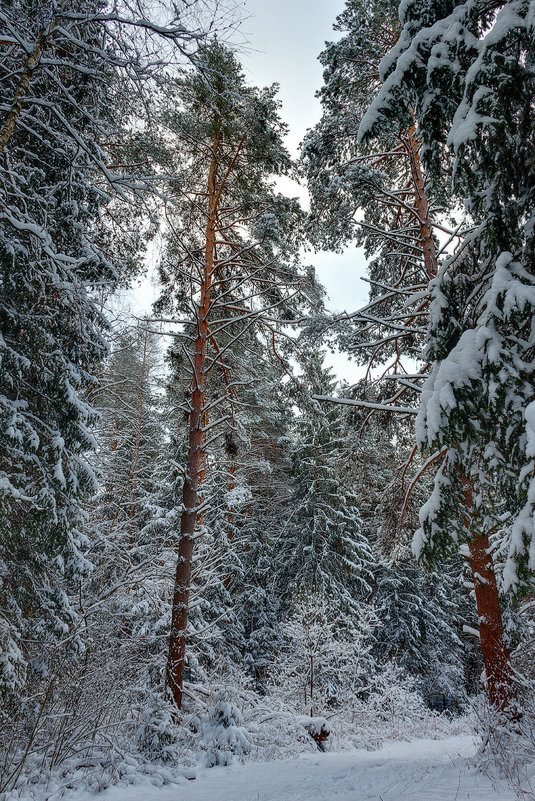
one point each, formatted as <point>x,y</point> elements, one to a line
<point>393,698</point>
<point>222,733</point>
<point>326,660</point>
<point>507,750</point>
<point>157,735</point>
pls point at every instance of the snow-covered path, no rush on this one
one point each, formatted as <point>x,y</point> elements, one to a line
<point>425,770</point>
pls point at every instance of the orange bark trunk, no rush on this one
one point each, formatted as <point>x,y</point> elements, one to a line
<point>421,204</point>
<point>498,670</point>
<point>499,681</point>
<point>194,464</point>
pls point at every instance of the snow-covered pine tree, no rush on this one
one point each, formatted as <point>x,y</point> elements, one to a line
<point>231,268</point>
<point>130,433</point>
<point>239,557</point>
<point>420,612</point>
<point>234,592</point>
<point>128,526</point>
<point>70,74</point>
<point>325,659</point>
<point>330,554</point>
<point>51,340</point>
<point>466,72</point>
<point>421,625</point>
<point>377,193</point>
<point>265,462</point>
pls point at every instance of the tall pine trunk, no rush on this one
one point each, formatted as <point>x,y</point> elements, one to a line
<point>195,452</point>
<point>421,204</point>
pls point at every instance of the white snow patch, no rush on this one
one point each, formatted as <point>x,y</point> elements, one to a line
<point>424,770</point>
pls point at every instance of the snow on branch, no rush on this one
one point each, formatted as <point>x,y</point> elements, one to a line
<point>382,407</point>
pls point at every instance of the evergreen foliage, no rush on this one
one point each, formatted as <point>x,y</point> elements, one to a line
<point>477,400</point>
<point>231,275</point>
<point>372,194</point>
<point>52,256</point>
<point>73,86</point>
<point>421,621</point>
<point>331,556</point>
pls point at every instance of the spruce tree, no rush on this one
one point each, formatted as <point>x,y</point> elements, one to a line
<point>130,432</point>
<point>52,338</point>
<point>330,554</point>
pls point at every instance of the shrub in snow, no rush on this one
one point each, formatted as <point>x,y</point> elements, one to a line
<point>393,697</point>
<point>156,736</point>
<point>325,661</point>
<point>222,733</point>
<point>12,663</point>
<point>507,750</point>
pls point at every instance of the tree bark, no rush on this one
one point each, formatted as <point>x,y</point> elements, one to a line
<point>188,520</point>
<point>232,473</point>
<point>195,460</point>
<point>21,91</point>
<point>24,82</point>
<point>498,671</point>
<point>421,204</point>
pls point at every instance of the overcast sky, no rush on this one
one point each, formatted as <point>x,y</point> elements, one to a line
<point>285,38</point>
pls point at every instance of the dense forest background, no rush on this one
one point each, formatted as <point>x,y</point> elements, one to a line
<point>210,545</point>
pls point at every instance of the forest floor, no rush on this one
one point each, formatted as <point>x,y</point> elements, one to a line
<point>422,770</point>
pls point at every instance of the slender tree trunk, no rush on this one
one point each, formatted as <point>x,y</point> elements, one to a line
<point>24,81</point>
<point>21,91</point>
<point>232,473</point>
<point>115,441</point>
<point>421,204</point>
<point>194,463</point>
<point>311,685</point>
<point>498,670</point>
<point>139,420</point>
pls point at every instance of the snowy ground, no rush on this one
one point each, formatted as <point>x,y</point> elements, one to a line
<point>425,770</point>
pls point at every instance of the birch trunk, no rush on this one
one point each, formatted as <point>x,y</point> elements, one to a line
<point>21,91</point>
